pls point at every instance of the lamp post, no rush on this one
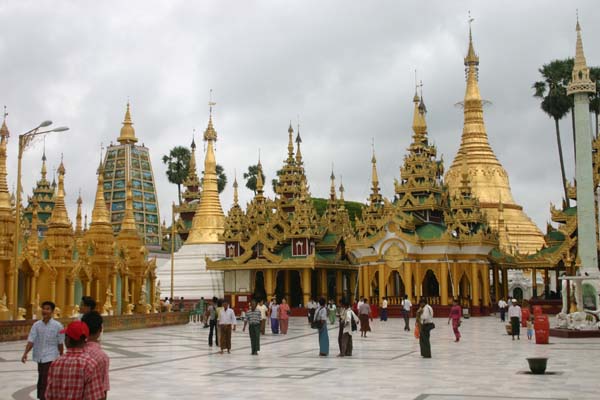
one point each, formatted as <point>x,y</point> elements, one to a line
<point>172,247</point>
<point>25,139</point>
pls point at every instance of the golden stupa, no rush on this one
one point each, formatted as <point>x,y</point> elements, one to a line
<point>489,180</point>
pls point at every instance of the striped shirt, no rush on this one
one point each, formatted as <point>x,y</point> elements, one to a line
<point>46,339</point>
<point>253,317</point>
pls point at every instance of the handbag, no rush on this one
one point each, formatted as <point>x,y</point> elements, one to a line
<point>353,325</point>
<point>316,323</point>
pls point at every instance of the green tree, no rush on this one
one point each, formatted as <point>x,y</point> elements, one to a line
<point>552,91</point>
<point>276,180</point>
<point>595,97</point>
<point>221,178</point>
<point>178,165</point>
<point>250,177</point>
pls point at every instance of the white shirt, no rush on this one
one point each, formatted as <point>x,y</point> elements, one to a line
<point>514,311</point>
<point>263,311</point>
<point>46,339</point>
<point>274,307</point>
<point>360,303</point>
<point>227,317</point>
<point>384,304</point>
<point>311,304</point>
<point>502,304</point>
<point>349,314</point>
<point>406,304</point>
<point>427,315</point>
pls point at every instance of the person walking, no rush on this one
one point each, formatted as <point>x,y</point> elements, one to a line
<point>202,312</point>
<point>406,306</point>
<point>211,315</point>
<point>350,320</point>
<point>74,375</point>
<point>364,315</point>
<point>514,314</point>
<point>417,331</point>
<point>284,316</point>
<point>94,321</point>
<point>263,315</point>
<point>274,315</point>
<point>46,340</point>
<point>425,329</point>
<point>227,323</point>
<point>331,311</point>
<point>455,317</point>
<point>384,310</point>
<point>253,320</point>
<point>340,311</point>
<point>88,304</point>
<point>502,308</point>
<point>312,307</point>
<point>320,319</point>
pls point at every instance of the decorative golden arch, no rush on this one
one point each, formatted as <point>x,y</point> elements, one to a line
<point>388,244</point>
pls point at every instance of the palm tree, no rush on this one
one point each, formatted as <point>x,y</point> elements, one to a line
<point>275,181</point>
<point>250,177</point>
<point>595,97</point>
<point>178,165</point>
<point>555,102</point>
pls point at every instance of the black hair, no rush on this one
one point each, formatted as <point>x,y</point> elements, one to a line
<point>322,301</point>
<point>71,343</point>
<point>219,303</point>
<point>423,300</point>
<point>93,320</point>
<point>89,302</point>
<point>215,299</point>
<point>50,304</point>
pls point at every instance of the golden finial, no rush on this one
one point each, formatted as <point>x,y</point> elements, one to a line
<point>298,141</point>
<point>127,135</point>
<point>342,188</point>
<point>4,134</point>
<point>471,58</point>
<point>85,223</point>
<point>100,212</point>
<point>332,194</point>
<point>210,134</point>
<point>374,176</point>
<point>259,179</point>
<point>5,206</point>
<point>78,218</point>
<point>290,143</point>
<point>419,125</point>
<point>59,215</point>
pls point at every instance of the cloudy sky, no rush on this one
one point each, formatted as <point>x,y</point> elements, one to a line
<point>344,68</point>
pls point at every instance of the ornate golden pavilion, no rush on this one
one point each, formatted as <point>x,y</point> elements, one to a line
<point>61,264</point>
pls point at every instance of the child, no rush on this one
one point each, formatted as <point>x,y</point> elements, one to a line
<point>529,328</point>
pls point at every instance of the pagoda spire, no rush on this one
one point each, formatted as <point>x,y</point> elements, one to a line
<point>341,191</point>
<point>79,218</point>
<point>128,223</point>
<point>259,180</point>
<point>419,125</point>
<point>5,206</point>
<point>44,171</point>
<point>100,212</point>
<point>580,78</point>
<point>59,215</point>
<point>374,175</point>
<point>209,219</point>
<point>332,194</point>
<point>192,179</point>
<point>290,158</point>
<point>127,135</point>
<point>235,191</point>
<point>298,153</point>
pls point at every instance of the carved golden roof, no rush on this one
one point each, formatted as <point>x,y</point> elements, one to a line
<point>209,220</point>
<point>192,181</point>
<point>235,228</point>
<point>100,214</point>
<point>127,135</point>
<point>488,179</point>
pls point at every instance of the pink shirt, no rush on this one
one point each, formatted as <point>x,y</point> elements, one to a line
<point>283,311</point>
<point>95,351</point>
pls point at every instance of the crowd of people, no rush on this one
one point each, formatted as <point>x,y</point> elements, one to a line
<point>82,372</point>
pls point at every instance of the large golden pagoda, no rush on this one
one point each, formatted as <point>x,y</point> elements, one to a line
<point>489,180</point>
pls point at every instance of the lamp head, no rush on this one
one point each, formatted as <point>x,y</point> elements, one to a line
<point>45,124</point>
<point>60,129</point>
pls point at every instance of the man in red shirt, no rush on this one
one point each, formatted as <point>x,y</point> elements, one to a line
<point>74,376</point>
<point>94,322</point>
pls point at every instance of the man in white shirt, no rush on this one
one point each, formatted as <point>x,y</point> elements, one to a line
<point>426,327</point>
<point>227,322</point>
<point>514,314</point>
<point>502,308</point>
<point>406,306</point>
<point>384,310</point>
<point>312,308</point>
<point>263,316</point>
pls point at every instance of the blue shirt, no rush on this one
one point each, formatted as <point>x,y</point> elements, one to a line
<point>46,339</point>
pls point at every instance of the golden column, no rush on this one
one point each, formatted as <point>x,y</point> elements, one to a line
<point>286,284</point>
<point>339,285</point>
<point>381,282</point>
<point>444,284</point>
<point>306,285</point>
<point>352,283</point>
<point>485,272</point>
<point>407,279</point>
<point>323,282</point>
<point>475,284</point>
<point>268,274</point>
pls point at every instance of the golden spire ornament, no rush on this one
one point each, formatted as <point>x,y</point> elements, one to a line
<point>59,215</point>
<point>127,135</point>
<point>209,219</point>
<point>5,206</point>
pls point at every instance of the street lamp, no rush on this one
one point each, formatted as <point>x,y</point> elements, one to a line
<point>25,139</point>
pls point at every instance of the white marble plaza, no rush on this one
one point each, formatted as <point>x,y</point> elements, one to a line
<point>176,363</point>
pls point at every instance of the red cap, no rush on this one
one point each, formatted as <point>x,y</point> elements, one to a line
<point>76,329</point>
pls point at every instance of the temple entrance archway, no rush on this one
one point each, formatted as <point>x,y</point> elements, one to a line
<point>517,293</point>
<point>259,286</point>
<point>464,290</point>
<point>431,287</point>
